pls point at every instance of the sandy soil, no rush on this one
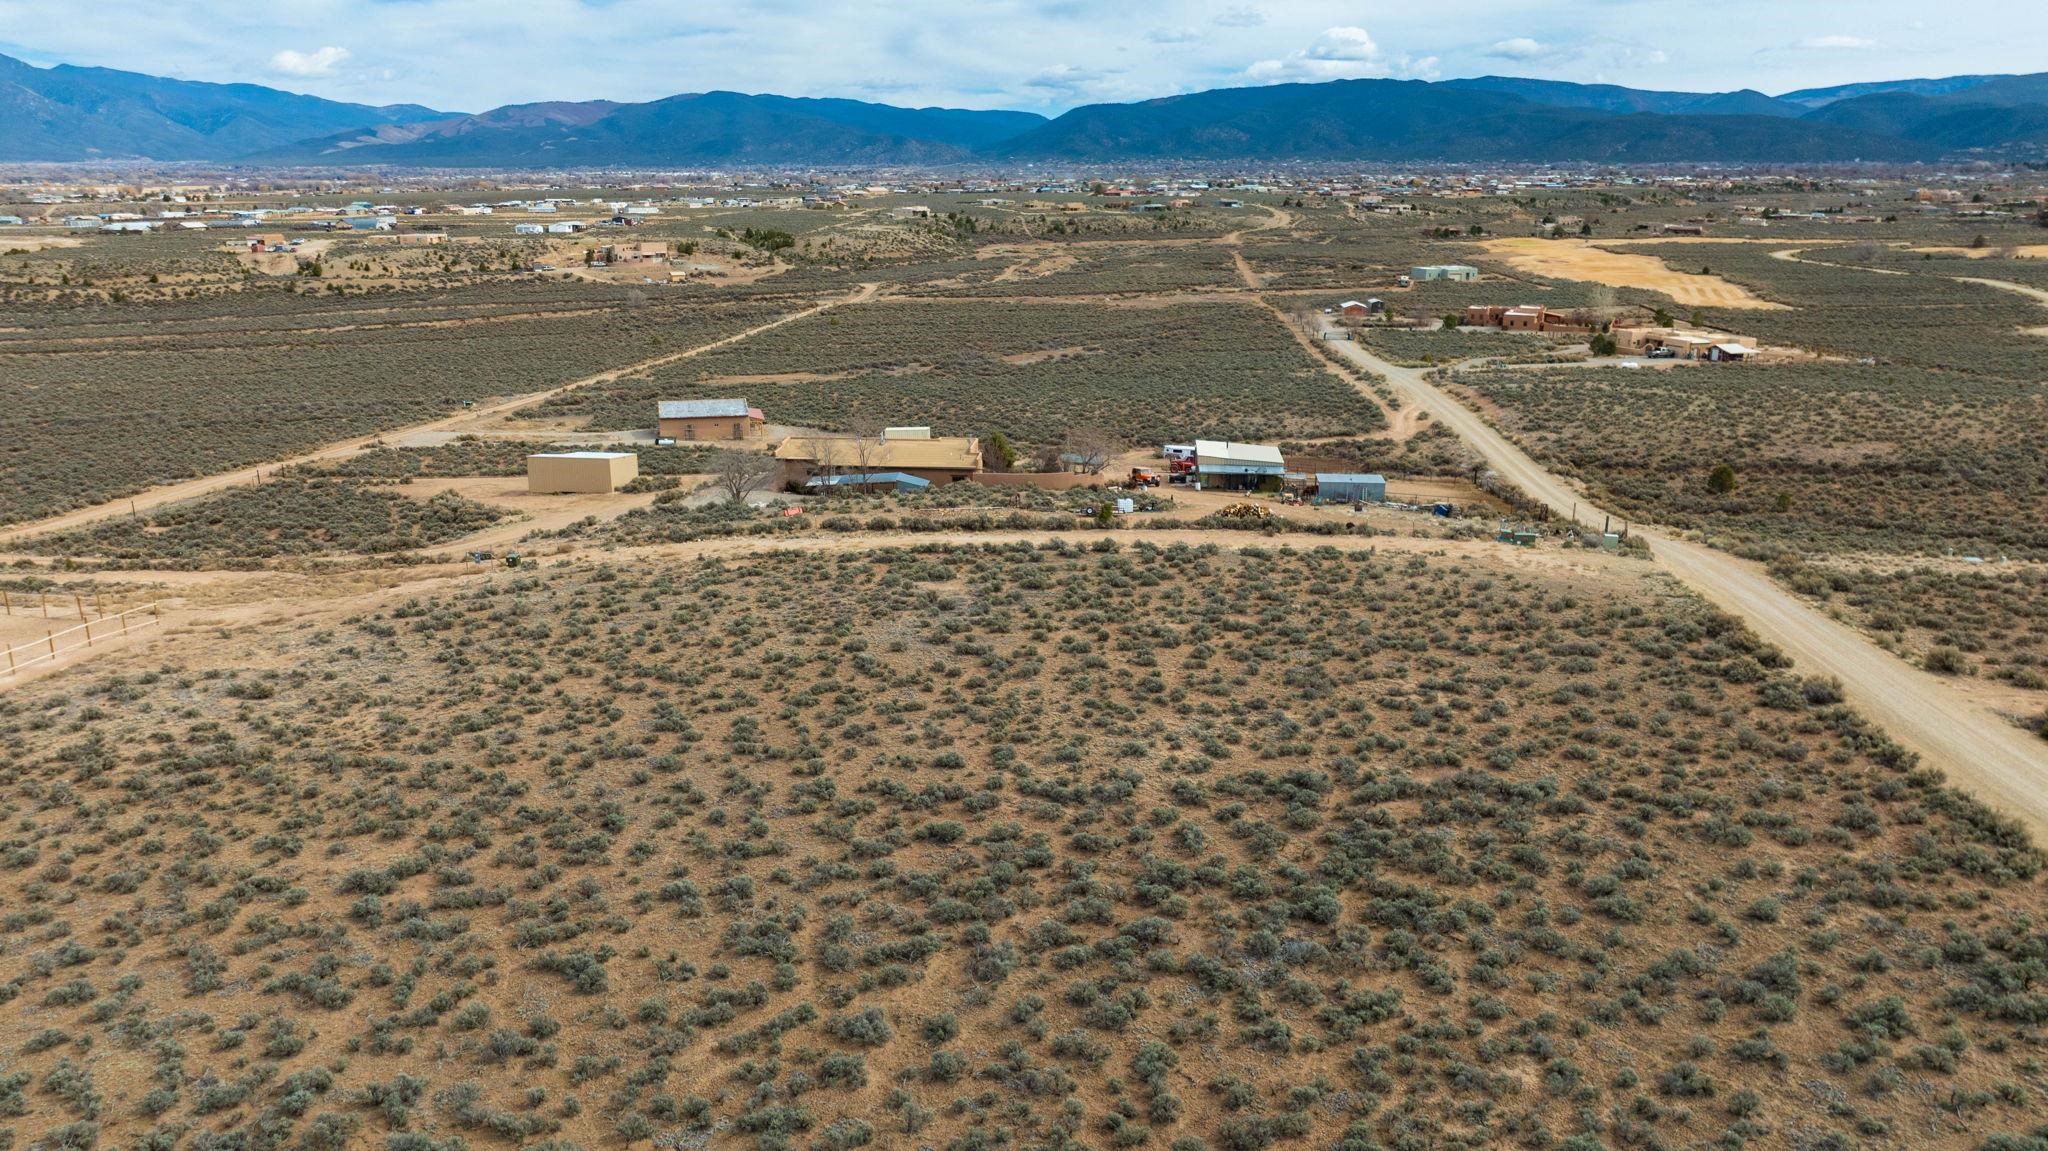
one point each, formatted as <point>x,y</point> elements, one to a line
<point>1579,260</point>
<point>10,242</point>
<point>1951,727</point>
<point>2023,251</point>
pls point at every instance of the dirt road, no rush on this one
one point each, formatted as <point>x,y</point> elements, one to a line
<point>188,489</point>
<point>1978,749</point>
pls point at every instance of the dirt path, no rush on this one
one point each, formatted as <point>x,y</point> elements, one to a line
<point>1979,750</point>
<point>1796,256</point>
<point>205,485</point>
<point>2034,294</point>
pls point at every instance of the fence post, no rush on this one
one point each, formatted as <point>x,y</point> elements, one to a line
<point>88,633</point>
<point>78,602</point>
<point>46,603</point>
<point>7,602</point>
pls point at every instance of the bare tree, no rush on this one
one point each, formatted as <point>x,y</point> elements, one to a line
<point>865,442</point>
<point>738,473</point>
<point>1093,448</point>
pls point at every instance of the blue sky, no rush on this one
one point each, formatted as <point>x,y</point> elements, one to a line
<point>1045,56</point>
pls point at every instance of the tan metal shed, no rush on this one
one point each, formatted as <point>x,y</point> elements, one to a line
<point>580,472</point>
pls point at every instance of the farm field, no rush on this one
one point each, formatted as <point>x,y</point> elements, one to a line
<point>966,845</point>
<point>1033,371</point>
<point>1582,260</point>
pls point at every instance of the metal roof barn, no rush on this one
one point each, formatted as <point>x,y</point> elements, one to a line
<point>1351,487</point>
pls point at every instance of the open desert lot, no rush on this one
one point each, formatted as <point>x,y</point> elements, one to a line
<point>1209,662</point>
<point>1579,260</point>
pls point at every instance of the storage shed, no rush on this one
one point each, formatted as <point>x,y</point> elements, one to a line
<point>551,473</point>
<point>1351,487</point>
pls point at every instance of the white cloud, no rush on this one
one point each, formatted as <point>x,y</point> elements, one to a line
<point>318,62</point>
<point>1242,16</point>
<point>1519,48</point>
<point>1836,42</point>
<point>1173,35</point>
<point>1346,52</point>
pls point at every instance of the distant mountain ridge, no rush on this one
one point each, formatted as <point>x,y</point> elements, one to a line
<point>68,113</point>
<point>71,113</point>
<point>1615,98</point>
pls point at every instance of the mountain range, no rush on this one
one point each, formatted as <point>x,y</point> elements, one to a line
<point>70,113</point>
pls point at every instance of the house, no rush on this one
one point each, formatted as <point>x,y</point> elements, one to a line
<point>528,229</point>
<point>371,223</point>
<point>1462,273</point>
<point>1684,230</point>
<point>939,460</point>
<point>10,219</point>
<point>84,223</point>
<point>566,228</point>
<point>1356,309</point>
<point>650,253</point>
<point>695,421</point>
<point>551,473</point>
<point>1728,353</point>
<point>911,212</point>
<point>131,226</point>
<point>1521,318</point>
<point>1351,487</point>
<point>1237,467</point>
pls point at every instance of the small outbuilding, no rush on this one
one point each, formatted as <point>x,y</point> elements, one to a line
<point>1351,487</point>
<point>553,473</point>
<point>1728,353</point>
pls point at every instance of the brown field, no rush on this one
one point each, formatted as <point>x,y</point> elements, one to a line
<point>1580,260</point>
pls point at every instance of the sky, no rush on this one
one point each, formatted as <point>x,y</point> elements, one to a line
<point>1038,55</point>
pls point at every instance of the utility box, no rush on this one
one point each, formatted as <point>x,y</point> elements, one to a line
<point>556,473</point>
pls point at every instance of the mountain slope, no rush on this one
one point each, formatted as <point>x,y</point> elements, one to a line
<point>1941,86</point>
<point>69,113</point>
<point>711,127</point>
<point>1941,123</point>
<point>1615,98</point>
<point>1412,120</point>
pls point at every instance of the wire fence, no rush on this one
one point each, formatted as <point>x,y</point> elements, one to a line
<point>104,628</point>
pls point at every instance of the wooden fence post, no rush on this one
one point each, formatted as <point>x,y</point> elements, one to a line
<point>78,602</point>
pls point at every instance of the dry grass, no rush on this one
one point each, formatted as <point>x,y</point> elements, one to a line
<point>1580,260</point>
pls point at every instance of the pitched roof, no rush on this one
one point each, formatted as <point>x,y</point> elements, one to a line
<point>1350,478</point>
<point>938,453</point>
<point>701,409</point>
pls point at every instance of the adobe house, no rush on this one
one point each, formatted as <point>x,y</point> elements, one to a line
<point>697,421</point>
<point>938,459</point>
